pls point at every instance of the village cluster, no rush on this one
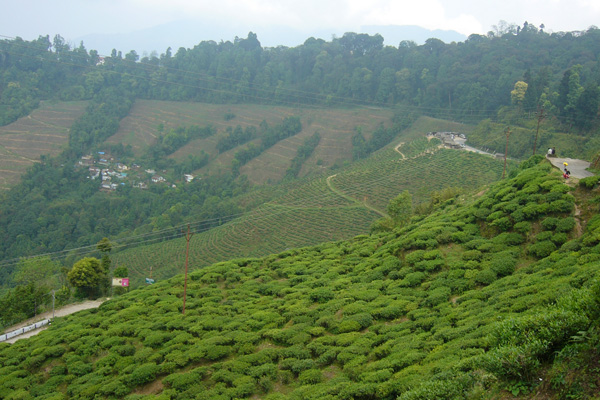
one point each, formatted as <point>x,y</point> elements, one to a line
<point>450,139</point>
<point>114,173</point>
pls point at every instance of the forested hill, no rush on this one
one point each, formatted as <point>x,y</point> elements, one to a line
<point>473,79</point>
<point>493,295</point>
<point>502,78</point>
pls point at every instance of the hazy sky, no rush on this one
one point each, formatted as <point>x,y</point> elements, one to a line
<point>76,18</point>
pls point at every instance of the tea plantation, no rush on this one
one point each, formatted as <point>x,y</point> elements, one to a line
<point>492,296</point>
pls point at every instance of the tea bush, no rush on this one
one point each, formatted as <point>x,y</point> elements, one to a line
<point>408,314</point>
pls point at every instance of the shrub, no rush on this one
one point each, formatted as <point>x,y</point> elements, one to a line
<point>157,339</point>
<point>559,238</point>
<point>494,216</point>
<point>321,295</point>
<point>561,206</point>
<point>391,311</point>
<point>472,255</point>
<point>310,376</point>
<point>508,239</point>
<point>447,389</point>
<point>503,224</point>
<point>415,256</point>
<point>430,265</point>
<point>485,277</point>
<point>541,249</point>
<point>364,319</point>
<point>550,223</point>
<point>521,343</point>
<point>503,265</point>
<point>437,296</point>
<point>348,326</point>
<point>366,295</point>
<point>217,352</point>
<point>124,350</point>
<point>566,224</point>
<point>295,365</point>
<point>244,386</point>
<point>143,374</point>
<point>414,278</point>
<point>523,227</point>
<point>380,375</point>
<point>589,182</point>
<point>79,368</point>
<point>58,370</point>
<point>540,237</point>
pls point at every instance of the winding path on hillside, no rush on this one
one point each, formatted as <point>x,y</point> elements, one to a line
<point>397,148</point>
<point>364,203</point>
<point>351,199</point>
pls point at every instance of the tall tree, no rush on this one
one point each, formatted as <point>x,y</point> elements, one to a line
<point>87,275</point>
<point>400,208</point>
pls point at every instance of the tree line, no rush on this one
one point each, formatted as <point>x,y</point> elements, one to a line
<point>56,207</point>
<point>467,80</point>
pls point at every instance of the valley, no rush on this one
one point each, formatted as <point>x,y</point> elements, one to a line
<point>337,241</point>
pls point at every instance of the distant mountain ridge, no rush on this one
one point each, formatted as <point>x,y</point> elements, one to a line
<point>189,33</point>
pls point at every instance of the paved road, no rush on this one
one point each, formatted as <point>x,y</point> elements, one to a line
<point>61,312</point>
<point>577,167</point>
<point>461,141</point>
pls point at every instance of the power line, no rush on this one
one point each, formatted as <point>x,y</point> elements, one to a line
<point>168,233</point>
<point>205,225</point>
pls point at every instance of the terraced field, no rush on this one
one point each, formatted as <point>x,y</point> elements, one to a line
<point>268,229</point>
<point>336,127</point>
<point>377,180</point>
<point>45,131</point>
<point>322,209</point>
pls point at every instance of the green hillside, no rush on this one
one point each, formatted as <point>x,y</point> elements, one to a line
<point>340,205</point>
<point>486,297</point>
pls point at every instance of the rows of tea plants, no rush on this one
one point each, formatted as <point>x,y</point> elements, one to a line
<point>417,147</point>
<point>44,132</point>
<point>146,117</point>
<point>265,230</point>
<point>310,212</point>
<point>140,127</point>
<point>379,182</point>
<point>455,303</point>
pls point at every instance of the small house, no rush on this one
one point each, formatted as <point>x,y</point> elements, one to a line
<point>158,179</point>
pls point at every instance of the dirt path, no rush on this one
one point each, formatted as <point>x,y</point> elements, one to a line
<point>397,148</point>
<point>349,198</point>
<point>61,312</point>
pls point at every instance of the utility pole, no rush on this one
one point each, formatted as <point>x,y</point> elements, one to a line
<point>188,236</point>
<point>53,298</point>
<point>507,133</point>
<point>540,117</point>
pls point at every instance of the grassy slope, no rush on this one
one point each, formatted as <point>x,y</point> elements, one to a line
<point>414,313</point>
<point>45,131</point>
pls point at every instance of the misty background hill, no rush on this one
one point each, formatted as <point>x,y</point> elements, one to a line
<point>189,33</point>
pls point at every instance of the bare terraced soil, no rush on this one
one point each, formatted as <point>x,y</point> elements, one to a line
<point>44,131</point>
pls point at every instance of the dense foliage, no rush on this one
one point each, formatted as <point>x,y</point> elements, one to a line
<point>302,154</point>
<point>450,306</point>
<point>471,79</point>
